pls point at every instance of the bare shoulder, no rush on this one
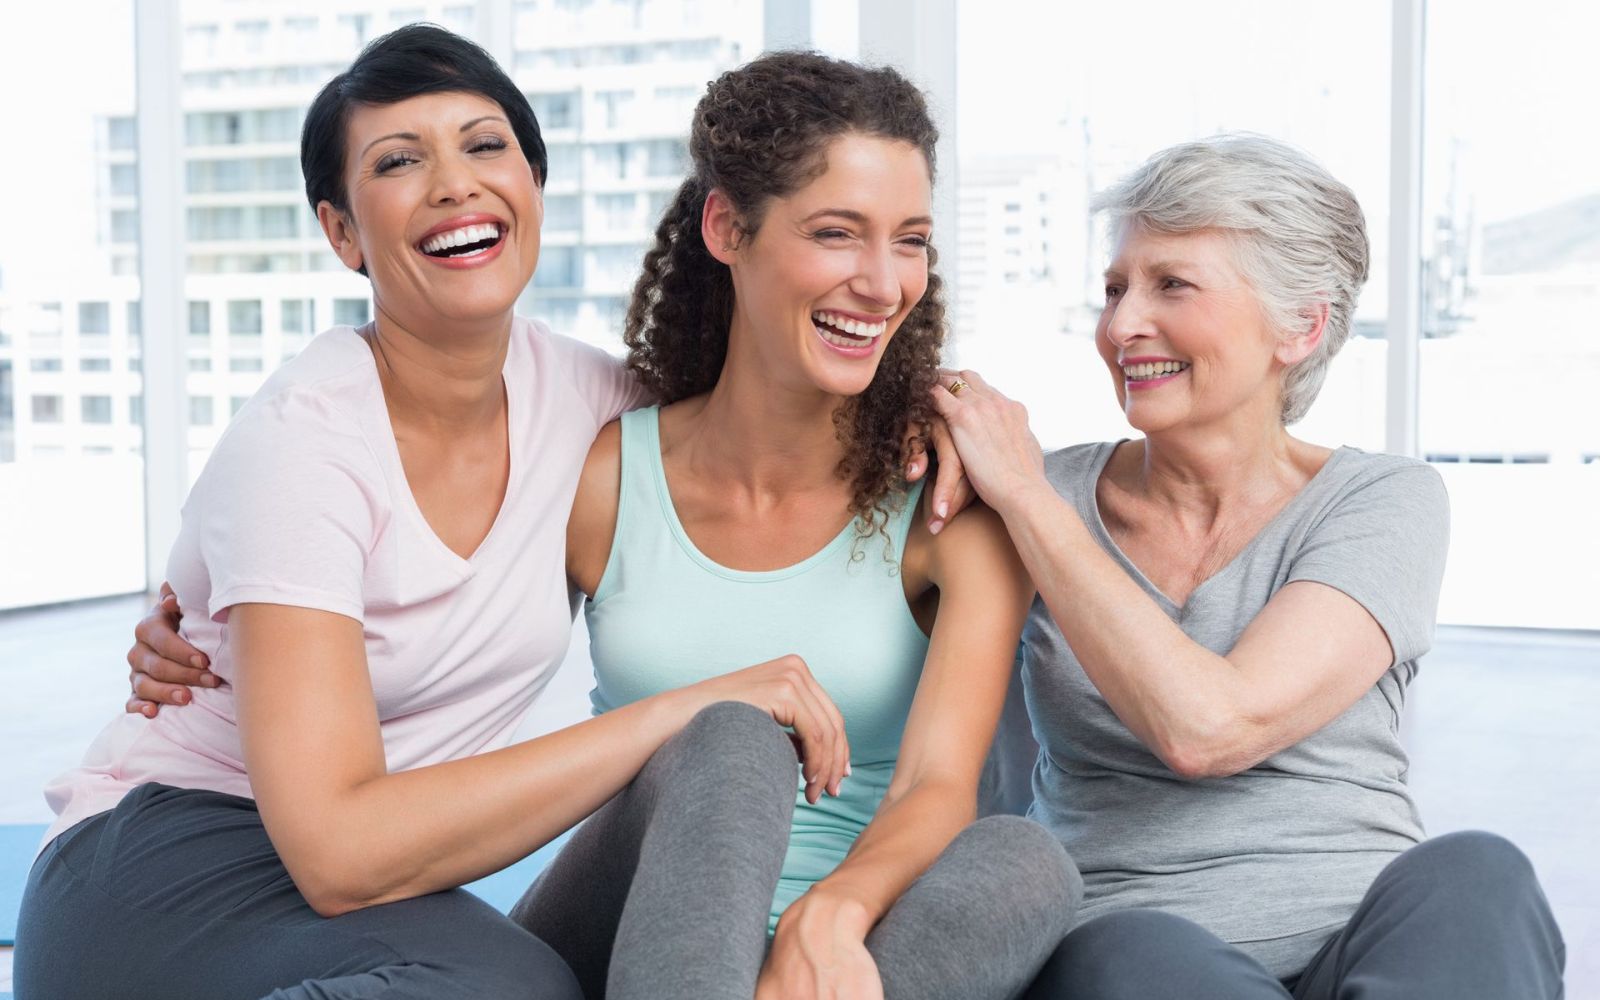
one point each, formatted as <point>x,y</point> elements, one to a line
<point>974,545</point>
<point>593,521</point>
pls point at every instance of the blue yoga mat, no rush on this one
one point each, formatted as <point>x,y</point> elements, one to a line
<point>17,844</point>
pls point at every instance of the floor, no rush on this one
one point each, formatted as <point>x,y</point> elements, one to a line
<point>1501,726</point>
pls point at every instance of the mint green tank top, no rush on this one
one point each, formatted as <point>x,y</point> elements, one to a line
<point>664,616</point>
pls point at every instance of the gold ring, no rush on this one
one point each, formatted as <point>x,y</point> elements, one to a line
<point>958,385</point>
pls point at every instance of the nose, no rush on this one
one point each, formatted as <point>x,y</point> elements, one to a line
<point>1128,318</point>
<point>454,182</point>
<point>876,279</point>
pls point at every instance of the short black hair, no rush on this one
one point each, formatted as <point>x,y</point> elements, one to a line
<point>407,62</point>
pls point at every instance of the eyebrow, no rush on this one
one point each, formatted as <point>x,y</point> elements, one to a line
<point>861,219</point>
<point>414,137</point>
<point>1157,268</point>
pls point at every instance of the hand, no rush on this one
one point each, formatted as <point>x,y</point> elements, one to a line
<point>785,690</point>
<point>820,953</point>
<point>164,667</point>
<point>952,491</point>
<point>1000,453</point>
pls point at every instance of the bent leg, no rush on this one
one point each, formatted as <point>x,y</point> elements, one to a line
<point>178,894</point>
<point>664,892</point>
<point>982,919</point>
<point>1151,955</point>
<point>1459,916</point>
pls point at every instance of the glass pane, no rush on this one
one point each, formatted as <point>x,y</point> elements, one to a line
<point>614,85</point>
<point>1058,101</point>
<point>71,458</point>
<point>1511,243</point>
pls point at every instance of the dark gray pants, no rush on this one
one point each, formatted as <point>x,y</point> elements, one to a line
<point>1459,917</point>
<point>177,894</point>
<point>664,893</point>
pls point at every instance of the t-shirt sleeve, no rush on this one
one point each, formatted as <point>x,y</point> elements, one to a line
<point>1384,544</point>
<point>605,383</point>
<point>289,509</point>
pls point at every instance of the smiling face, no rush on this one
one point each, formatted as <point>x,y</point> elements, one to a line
<point>1184,335</point>
<point>833,269</point>
<point>444,211</point>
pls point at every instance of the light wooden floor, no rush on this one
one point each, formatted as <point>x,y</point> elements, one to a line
<point>1501,726</point>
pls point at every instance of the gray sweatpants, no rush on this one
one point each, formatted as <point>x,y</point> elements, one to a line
<point>177,894</point>
<point>664,893</point>
<point>1458,917</point>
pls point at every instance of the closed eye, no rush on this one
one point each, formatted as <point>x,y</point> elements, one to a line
<point>390,161</point>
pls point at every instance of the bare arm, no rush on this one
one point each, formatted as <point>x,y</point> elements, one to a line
<point>983,597</point>
<point>1305,658</point>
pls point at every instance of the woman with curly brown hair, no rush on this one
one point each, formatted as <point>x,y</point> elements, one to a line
<point>790,325</point>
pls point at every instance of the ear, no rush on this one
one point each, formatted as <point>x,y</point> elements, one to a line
<point>341,233</point>
<point>1296,347</point>
<point>719,227</point>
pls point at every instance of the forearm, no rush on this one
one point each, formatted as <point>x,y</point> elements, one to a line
<point>1181,700</point>
<point>902,841</point>
<point>401,835</point>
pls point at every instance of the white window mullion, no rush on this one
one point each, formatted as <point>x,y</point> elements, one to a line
<point>1405,227</point>
<point>158,36</point>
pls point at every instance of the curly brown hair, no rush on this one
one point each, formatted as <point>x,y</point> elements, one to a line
<point>761,132</point>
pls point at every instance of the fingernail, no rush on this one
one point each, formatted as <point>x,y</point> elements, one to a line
<point>148,711</point>
<point>847,769</point>
<point>196,662</point>
<point>934,527</point>
<point>211,680</point>
<point>181,697</point>
<point>942,508</point>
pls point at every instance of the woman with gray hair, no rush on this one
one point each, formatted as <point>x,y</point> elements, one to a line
<point>1227,622</point>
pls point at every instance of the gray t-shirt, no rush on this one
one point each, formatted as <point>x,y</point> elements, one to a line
<point>1276,858</point>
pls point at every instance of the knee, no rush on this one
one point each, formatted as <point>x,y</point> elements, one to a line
<point>1482,865</point>
<point>730,739</point>
<point>519,965</point>
<point>1043,875</point>
<point>1107,957</point>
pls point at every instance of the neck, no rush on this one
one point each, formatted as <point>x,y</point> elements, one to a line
<point>764,437</point>
<point>1207,472</point>
<point>440,383</point>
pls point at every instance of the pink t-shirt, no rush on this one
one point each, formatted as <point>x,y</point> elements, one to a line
<point>304,502</point>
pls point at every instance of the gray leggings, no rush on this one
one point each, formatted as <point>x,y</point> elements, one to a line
<point>664,893</point>
<point>1458,917</point>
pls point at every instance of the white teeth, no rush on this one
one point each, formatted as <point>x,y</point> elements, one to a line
<point>461,237</point>
<point>1153,369</point>
<point>854,327</point>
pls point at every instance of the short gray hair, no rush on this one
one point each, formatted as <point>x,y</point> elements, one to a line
<point>1299,234</point>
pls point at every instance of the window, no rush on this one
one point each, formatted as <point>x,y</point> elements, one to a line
<point>94,364</point>
<point>125,225</point>
<point>44,364</point>
<point>244,364</point>
<point>96,409</point>
<point>199,318</point>
<point>295,315</point>
<point>235,404</point>
<point>555,110</point>
<point>124,179</point>
<point>244,316</point>
<point>558,268</point>
<point>199,363</point>
<point>562,211</point>
<point>94,317</point>
<point>617,210</point>
<point>200,414</point>
<point>122,133</point>
<point>351,312</point>
<point>668,158</point>
<point>136,409</point>
<point>47,409</point>
<point>134,321</point>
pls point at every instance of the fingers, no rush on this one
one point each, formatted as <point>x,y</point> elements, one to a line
<point>138,706</point>
<point>821,730</point>
<point>159,632</point>
<point>952,474</point>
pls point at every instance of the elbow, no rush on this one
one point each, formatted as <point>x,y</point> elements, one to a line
<point>1218,751</point>
<point>332,886</point>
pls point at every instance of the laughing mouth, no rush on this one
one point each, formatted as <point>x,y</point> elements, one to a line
<point>839,329</point>
<point>468,241</point>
